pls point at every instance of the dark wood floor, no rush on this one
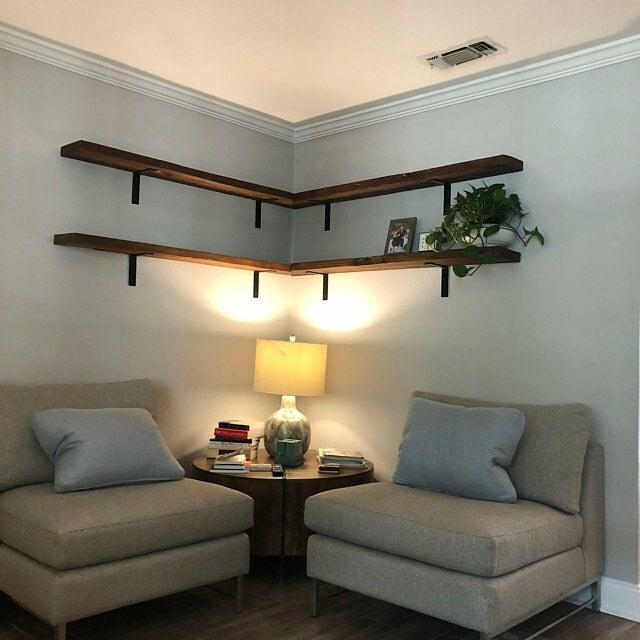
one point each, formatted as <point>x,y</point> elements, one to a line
<point>275,611</point>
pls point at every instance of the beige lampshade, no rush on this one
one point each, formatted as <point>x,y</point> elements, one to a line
<point>290,368</point>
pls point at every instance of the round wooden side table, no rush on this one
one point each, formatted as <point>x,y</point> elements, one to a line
<point>270,494</point>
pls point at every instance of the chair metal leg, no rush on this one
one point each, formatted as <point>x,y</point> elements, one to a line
<point>60,631</point>
<point>315,597</point>
<point>240,594</point>
<point>596,595</point>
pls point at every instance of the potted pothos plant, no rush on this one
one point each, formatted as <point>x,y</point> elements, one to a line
<point>483,216</point>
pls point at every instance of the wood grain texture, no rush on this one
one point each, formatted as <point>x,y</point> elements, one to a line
<point>301,483</point>
<point>282,611</point>
<point>129,247</point>
<point>154,168</point>
<point>163,170</point>
<point>415,260</point>
<point>458,172</point>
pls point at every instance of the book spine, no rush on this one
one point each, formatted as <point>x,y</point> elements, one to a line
<point>232,433</point>
<point>225,424</point>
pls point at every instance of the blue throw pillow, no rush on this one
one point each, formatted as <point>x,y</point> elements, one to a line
<point>464,451</point>
<point>94,448</point>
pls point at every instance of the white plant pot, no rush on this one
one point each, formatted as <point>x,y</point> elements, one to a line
<point>504,238</point>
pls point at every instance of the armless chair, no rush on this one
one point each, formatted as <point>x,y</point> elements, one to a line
<point>482,565</point>
<point>73,555</point>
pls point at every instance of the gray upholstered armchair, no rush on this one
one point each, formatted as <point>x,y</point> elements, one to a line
<point>482,565</point>
<point>72,555</point>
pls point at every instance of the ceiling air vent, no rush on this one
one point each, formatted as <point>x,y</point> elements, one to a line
<point>466,52</point>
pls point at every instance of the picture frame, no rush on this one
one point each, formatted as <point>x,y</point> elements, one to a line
<point>400,235</point>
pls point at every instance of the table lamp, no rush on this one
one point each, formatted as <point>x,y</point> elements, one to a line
<point>289,369</point>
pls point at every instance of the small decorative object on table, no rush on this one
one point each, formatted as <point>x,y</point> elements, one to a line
<point>289,369</point>
<point>400,235</point>
<point>289,453</point>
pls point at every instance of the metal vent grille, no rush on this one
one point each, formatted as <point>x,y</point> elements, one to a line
<point>466,52</point>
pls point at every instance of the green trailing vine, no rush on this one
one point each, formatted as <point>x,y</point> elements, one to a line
<point>477,215</point>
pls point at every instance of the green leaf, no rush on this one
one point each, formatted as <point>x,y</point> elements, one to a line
<point>492,230</point>
<point>460,270</point>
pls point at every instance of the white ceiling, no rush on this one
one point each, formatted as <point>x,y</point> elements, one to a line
<point>298,59</point>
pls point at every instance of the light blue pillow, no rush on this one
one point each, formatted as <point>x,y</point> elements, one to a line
<point>464,451</point>
<point>95,448</point>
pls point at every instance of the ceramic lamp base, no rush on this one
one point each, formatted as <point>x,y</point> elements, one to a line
<point>286,423</point>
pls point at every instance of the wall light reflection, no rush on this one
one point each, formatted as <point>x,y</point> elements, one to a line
<point>348,308</point>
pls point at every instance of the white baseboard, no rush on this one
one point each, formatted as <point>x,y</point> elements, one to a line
<point>621,599</point>
<point>618,598</point>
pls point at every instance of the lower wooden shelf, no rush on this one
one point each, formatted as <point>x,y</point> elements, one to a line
<point>416,260</point>
<point>128,247</point>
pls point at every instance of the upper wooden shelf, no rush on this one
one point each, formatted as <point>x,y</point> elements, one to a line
<point>447,174</point>
<point>128,247</point>
<point>346,265</point>
<point>416,260</point>
<point>127,161</point>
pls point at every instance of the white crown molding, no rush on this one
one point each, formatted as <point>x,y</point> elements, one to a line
<point>463,91</point>
<point>121,75</point>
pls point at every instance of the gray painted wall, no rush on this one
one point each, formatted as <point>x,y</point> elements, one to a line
<point>67,314</point>
<point>562,326</point>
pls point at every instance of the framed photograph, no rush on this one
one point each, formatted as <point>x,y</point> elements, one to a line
<point>400,236</point>
<point>423,245</point>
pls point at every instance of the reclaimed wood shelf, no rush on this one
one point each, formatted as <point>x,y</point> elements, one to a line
<point>127,161</point>
<point>416,260</point>
<point>424,179</point>
<point>162,170</point>
<point>420,259</point>
<point>144,249</point>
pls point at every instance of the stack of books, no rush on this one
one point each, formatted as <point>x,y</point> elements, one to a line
<point>230,463</point>
<point>346,458</point>
<point>234,436</point>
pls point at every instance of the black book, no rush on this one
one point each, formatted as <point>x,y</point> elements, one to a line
<point>233,424</point>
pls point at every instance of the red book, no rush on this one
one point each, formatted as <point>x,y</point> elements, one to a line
<point>236,434</point>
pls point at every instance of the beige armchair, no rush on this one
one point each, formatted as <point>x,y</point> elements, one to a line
<point>69,556</point>
<point>482,565</point>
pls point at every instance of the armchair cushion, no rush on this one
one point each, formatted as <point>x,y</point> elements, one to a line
<point>547,466</point>
<point>71,530</point>
<point>471,536</point>
<point>464,451</point>
<point>95,448</point>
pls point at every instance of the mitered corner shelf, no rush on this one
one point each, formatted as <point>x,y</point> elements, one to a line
<point>163,170</point>
<point>419,259</point>
<point>139,165</point>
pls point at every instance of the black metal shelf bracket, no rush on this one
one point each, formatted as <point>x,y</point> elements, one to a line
<point>256,284</point>
<point>444,276</point>
<point>133,267</point>
<point>258,222</point>
<point>135,184</point>
<point>325,286</point>
<point>327,216</point>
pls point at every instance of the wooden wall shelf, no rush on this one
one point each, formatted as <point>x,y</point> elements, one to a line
<point>127,161</point>
<point>415,260</point>
<point>447,174</point>
<point>144,249</point>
